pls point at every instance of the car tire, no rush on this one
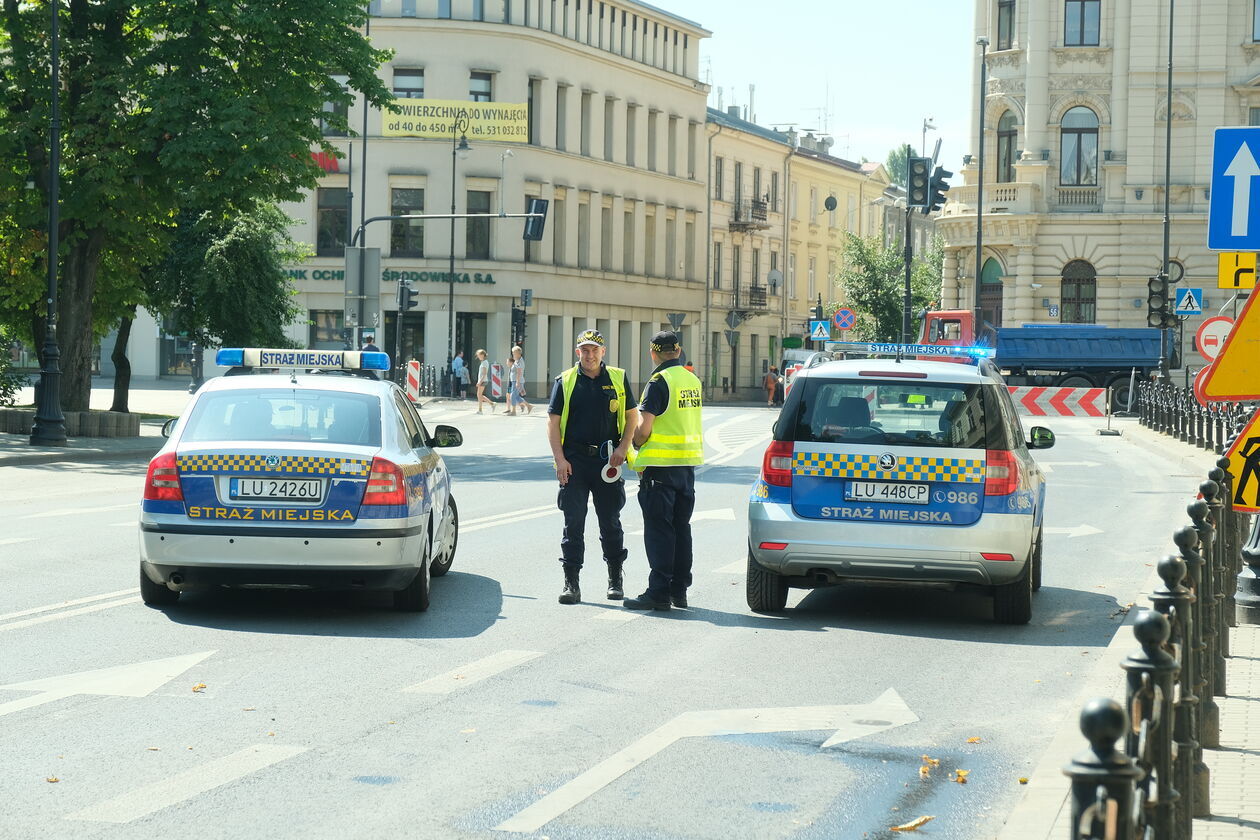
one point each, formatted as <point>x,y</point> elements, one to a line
<point>444,556</point>
<point>1076,380</point>
<point>766,591</point>
<point>414,597</point>
<point>1012,602</point>
<point>156,594</point>
<point>1034,560</point>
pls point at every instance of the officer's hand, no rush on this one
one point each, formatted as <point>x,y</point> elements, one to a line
<point>617,458</point>
<point>563,471</point>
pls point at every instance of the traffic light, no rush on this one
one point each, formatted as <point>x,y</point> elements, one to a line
<point>406,297</point>
<point>534,225</point>
<point>937,188</point>
<point>918,181</point>
<point>518,325</point>
<point>1159,312</point>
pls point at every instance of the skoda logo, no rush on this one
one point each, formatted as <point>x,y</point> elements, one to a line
<point>887,461</point>
<point>274,460</point>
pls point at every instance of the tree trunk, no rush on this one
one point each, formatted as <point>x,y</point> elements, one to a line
<point>75,337</point>
<point>122,365</point>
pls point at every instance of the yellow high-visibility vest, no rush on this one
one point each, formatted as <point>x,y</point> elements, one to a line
<point>676,439</point>
<point>569,380</point>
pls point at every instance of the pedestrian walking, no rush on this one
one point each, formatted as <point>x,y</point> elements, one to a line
<point>516,377</point>
<point>670,445</point>
<point>483,379</point>
<point>589,427</point>
<point>771,384</point>
<point>369,346</point>
<point>459,375</point>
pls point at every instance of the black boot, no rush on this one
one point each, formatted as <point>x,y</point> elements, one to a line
<point>615,592</point>
<point>571,594</point>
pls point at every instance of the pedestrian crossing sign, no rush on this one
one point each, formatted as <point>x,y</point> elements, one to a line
<point>819,331</point>
<point>1190,302</point>
<point>1244,466</point>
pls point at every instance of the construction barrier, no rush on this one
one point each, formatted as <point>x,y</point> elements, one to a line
<point>1038,401</point>
<point>496,380</point>
<point>413,381</point>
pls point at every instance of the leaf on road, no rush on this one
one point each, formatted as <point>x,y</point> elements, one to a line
<point>154,749</point>
<point>913,825</point>
<point>248,709</point>
<point>199,687</point>
<point>52,780</point>
<point>974,739</point>
<point>467,731</point>
<point>928,763</point>
<point>960,776</point>
<point>1023,780</point>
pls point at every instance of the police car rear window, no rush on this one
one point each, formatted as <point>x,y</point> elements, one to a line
<point>285,415</point>
<point>901,412</point>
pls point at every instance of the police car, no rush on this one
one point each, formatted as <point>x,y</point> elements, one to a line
<point>305,474</point>
<point>899,469</point>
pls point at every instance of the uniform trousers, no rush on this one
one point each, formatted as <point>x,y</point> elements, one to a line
<point>667,508</point>
<point>585,482</point>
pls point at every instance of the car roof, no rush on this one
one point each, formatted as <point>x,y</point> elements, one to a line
<point>309,381</point>
<point>877,368</point>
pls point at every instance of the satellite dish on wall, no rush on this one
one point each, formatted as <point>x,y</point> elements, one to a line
<point>774,279</point>
<point>830,203</point>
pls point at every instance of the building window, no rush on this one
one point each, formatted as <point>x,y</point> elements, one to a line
<point>774,191</point>
<point>1080,23</point>
<point>480,87</point>
<point>605,238</point>
<point>831,214</point>
<point>1005,24</point>
<point>792,275</point>
<point>718,165</point>
<point>756,193</point>
<point>632,113</point>
<point>1253,114</point>
<point>813,283</point>
<point>991,292</point>
<point>339,109</point>
<point>531,110</point>
<point>756,266</point>
<point>739,182</point>
<point>1080,293</point>
<point>1006,148</point>
<point>1079,148</point>
<point>331,218</point>
<point>562,116</point>
<point>813,206</point>
<point>409,84</point>
<point>326,329</point>
<point>653,119</point>
<point>477,238</point>
<point>406,236</point>
<point>717,265</point>
<point>1255,20</point>
<point>584,235</point>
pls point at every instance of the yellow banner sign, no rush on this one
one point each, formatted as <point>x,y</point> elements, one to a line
<point>504,122</point>
<point>1236,270</point>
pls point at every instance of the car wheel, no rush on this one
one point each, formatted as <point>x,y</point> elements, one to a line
<point>156,594</point>
<point>444,552</point>
<point>415,596</point>
<point>1012,602</point>
<point>1076,381</point>
<point>1034,559</point>
<point>766,591</point>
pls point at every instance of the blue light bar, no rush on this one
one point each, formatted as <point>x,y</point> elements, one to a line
<point>879,348</point>
<point>230,357</point>
<point>369,360</point>
<point>302,359</point>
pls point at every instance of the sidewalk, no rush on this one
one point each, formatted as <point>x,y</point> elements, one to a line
<point>1045,811</point>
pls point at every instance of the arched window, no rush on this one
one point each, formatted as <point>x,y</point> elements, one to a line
<point>991,292</point>
<point>1080,293</point>
<point>1078,131</point>
<point>1006,148</point>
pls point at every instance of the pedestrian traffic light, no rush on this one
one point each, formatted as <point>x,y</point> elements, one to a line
<point>1159,313</point>
<point>918,181</point>
<point>937,188</point>
<point>535,224</point>
<point>518,325</point>
<point>406,297</point>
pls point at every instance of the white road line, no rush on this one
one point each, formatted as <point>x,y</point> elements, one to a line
<point>151,798</point>
<point>65,604</point>
<point>77,511</point>
<point>17,625</point>
<point>16,540</point>
<point>623,615</point>
<point>473,672</point>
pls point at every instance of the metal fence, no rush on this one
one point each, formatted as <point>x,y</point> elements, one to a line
<point>1174,410</point>
<point>1153,786</point>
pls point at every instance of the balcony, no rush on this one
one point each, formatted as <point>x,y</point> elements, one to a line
<point>752,298</point>
<point>1078,199</point>
<point>749,214</point>
<point>1011,197</point>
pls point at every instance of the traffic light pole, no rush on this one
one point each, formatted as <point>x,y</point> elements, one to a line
<point>1164,374</point>
<point>909,258</point>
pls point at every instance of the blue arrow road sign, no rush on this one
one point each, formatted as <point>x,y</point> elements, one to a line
<point>1189,302</point>
<point>1234,208</point>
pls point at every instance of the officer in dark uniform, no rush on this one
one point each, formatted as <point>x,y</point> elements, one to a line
<point>670,448</point>
<point>590,428</point>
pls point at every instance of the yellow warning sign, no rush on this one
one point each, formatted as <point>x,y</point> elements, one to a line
<point>1244,466</point>
<point>1236,271</point>
<point>1235,375</point>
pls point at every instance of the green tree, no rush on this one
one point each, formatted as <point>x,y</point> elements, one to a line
<point>896,164</point>
<point>164,106</point>
<point>873,279</point>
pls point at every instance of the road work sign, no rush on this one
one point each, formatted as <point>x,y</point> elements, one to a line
<point>1244,465</point>
<point>1236,271</point>
<point>1235,375</point>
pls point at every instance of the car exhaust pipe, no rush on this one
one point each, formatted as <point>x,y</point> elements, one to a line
<point>177,578</point>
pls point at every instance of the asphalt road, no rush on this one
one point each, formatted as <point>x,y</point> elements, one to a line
<point>288,714</point>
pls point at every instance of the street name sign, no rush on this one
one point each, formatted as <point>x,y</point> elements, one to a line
<point>819,331</point>
<point>1244,462</point>
<point>1236,270</point>
<point>1234,207</point>
<point>1189,302</point>
<point>1235,375</point>
<point>1211,336</point>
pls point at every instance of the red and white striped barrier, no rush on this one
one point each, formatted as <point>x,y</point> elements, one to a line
<point>1059,402</point>
<point>413,381</point>
<point>496,380</point>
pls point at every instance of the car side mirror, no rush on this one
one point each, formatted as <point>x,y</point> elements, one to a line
<point>1041,438</point>
<point>446,436</point>
<point>168,426</point>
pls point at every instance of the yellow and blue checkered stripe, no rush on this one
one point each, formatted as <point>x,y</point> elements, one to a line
<point>909,468</point>
<point>286,464</point>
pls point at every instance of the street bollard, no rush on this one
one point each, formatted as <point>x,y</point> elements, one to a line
<point>1211,490</point>
<point>1175,602</point>
<point>1150,672</point>
<point>1183,415</point>
<point>1229,539</point>
<point>1104,805</point>
<point>1207,717</point>
<point>1200,513</point>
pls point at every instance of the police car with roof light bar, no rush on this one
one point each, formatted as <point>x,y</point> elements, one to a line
<point>297,477</point>
<point>899,469</point>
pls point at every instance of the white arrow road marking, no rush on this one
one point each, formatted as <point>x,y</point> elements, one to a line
<point>64,604</point>
<point>1050,466</point>
<point>16,540</point>
<point>1079,531</point>
<point>150,798</point>
<point>720,514</point>
<point>136,680</point>
<point>1242,169</point>
<point>57,616</point>
<point>473,672</point>
<point>886,712</point>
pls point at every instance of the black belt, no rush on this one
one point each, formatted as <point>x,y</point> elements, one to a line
<point>582,449</point>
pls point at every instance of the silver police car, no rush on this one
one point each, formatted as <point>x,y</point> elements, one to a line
<point>306,474</point>
<point>899,470</point>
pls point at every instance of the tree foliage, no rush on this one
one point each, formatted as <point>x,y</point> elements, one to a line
<point>164,106</point>
<point>873,279</point>
<point>896,164</point>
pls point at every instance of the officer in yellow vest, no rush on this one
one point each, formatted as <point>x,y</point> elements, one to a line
<point>590,427</point>
<point>670,447</point>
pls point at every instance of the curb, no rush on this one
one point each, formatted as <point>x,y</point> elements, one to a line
<point>76,455</point>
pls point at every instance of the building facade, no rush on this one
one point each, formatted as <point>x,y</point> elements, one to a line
<point>1075,111</point>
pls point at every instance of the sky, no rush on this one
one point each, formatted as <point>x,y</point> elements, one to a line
<point>868,73</point>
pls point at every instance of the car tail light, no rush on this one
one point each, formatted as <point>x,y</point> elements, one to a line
<point>776,464</point>
<point>772,546</point>
<point>989,555</point>
<point>1001,473</point>
<point>386,484</point>
<point>162,482</point>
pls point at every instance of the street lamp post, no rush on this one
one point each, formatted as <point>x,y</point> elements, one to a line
<point>983,43</point>
<point>50,424</point>
<point>1164,351</point>
<point>458,148</point>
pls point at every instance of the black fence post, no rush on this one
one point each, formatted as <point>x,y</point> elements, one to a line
<point>1103,801</point>
<point>1196,559</point>
<point>1150,673</point>
<point>1175,602</point>
<point>1211,490</point>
